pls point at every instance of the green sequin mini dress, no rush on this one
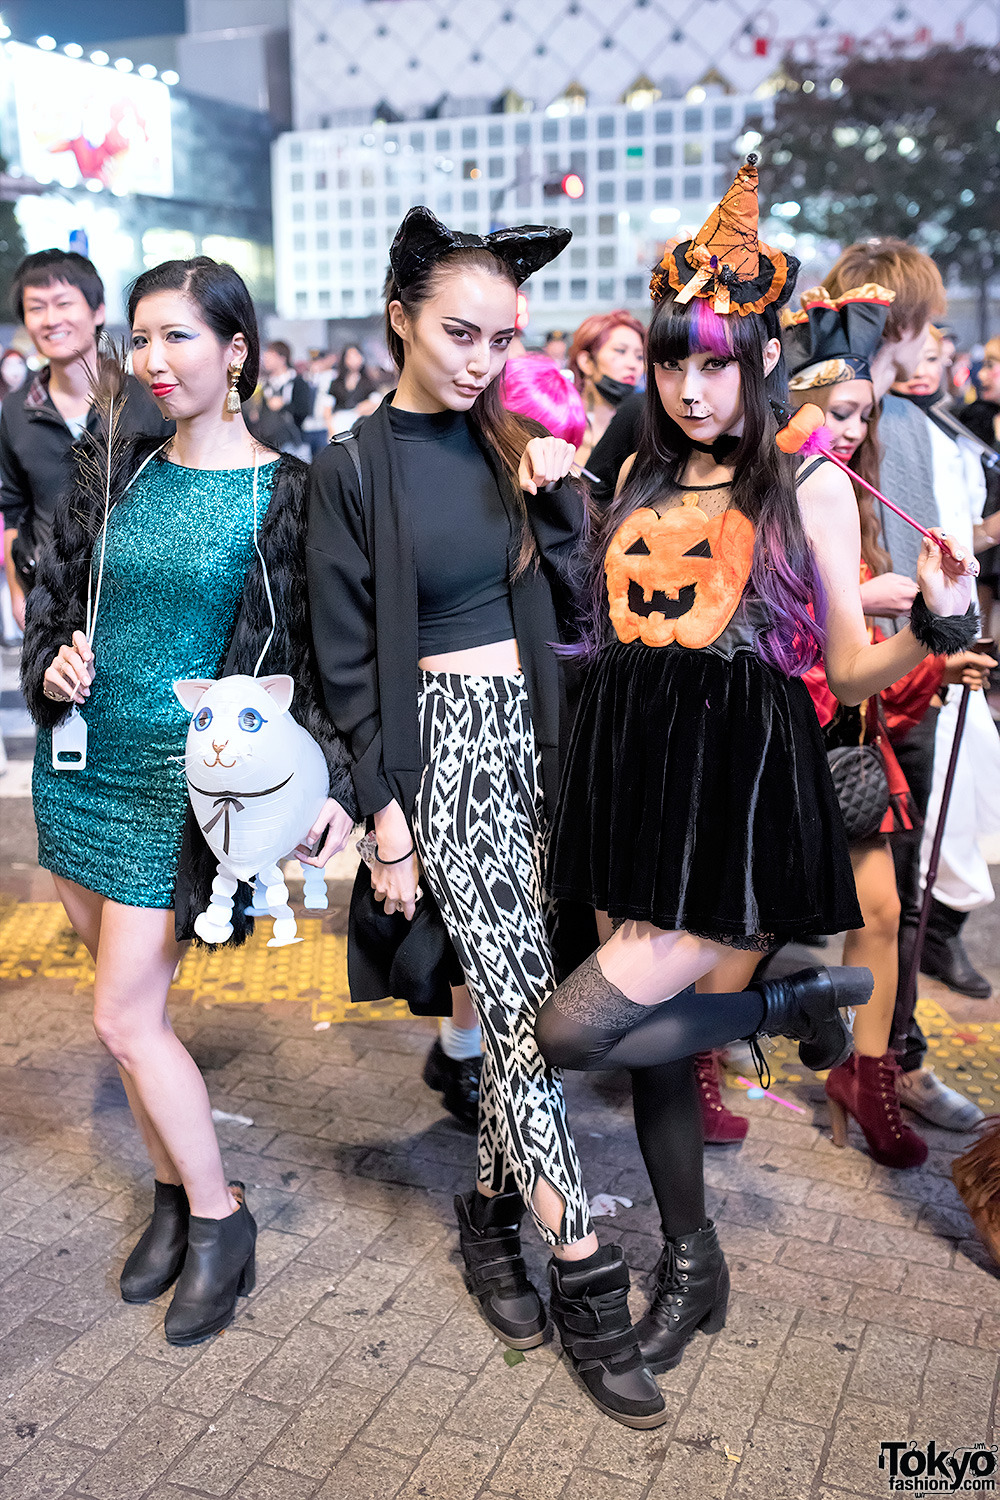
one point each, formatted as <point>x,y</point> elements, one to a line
<point>179,547</point>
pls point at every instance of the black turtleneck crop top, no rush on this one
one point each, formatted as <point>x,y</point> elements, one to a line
<point>461,533</point>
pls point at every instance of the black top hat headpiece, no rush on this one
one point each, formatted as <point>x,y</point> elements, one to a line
<point>422,239</point>
<point>835,338</point>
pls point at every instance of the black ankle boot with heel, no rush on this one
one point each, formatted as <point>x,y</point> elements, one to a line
<point>692,1294</point>
<point>805,1007</point>
<point>220,1267</point>
<point>589,1306</point>
<point>156,1260</point>
<point>489,1231</point>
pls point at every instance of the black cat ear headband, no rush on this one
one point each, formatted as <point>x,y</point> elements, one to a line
<point>421,240</point>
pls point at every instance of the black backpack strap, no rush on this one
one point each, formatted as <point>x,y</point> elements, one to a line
<point>349,440</point>
<point>810,468</point>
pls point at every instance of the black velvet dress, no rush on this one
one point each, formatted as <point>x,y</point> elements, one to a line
<point>696,793</point>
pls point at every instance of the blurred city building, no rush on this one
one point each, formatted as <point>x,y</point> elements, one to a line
<point>481,111</point>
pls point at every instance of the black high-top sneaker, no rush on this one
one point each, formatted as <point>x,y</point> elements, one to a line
<point>489,1231</point>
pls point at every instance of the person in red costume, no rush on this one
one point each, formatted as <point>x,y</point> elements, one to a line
<point>831,343</point>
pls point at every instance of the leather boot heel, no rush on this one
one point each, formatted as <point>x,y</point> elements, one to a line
<point>219,1267</point>
<point>156,1260</point>
<point>692,1293</point>
<point>489,1233</point>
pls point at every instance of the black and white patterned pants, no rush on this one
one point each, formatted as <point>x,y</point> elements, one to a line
<point>479,834</point>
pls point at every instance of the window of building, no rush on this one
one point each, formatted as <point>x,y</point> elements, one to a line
<point>578,127</point>
<point>663,122</point>
<point>634,158</point>
<point>369,238</point>
<point>322,208</point>
<point>324,297</point>
<point>368,208</point>
<point>578,163</point>
<point>345,208</point>
<point>469,138</point>
<point>606,159</point>
<point>606,289</point>
<point>295,151</point>
<point>606,191</point>
<point>298,181</point>
<point>578,224</point>
<point>347,299</point>
<point>323,270</point>
<point>693,154</point>
<point>343,178</point>
<point>391,176</point>
<point>442,140</point>
<point>635,190</point>
<point>367,177</point>
<point>605,223</point>
<point>552,163</point>
<point>495,166</point>
<point>635,123</point>
<point>522,133</point>
<point>300,272</point>
<point>417,140</point>
<point>470,169</point>
<point>754,111</point>
<point>550,130</point>
<point>392,204</point>
<point>694,119</point>
<point>444,203</point>
<point>320,182</point>
<point>347,270</point>
<point>578,288</point>
<point>578,258</point>
<point>635,286</point>
<point>470,200</point>
<point>663,189</point>
<point>722,151</point>
<point>605,126</point>
<point>722,117</point>
<point>606,255</point>
<point>298,242</point>
<point>371,296</point>
<point>371,266</point>
<point>664,156</point>
<point>298,213</point>
<point>301,301</point>
<point>346,239</point>
<point>550,290</point>
<point>721,183</point>
<point>692,187</point>
<point>322,240</point>
<point>494,135</point>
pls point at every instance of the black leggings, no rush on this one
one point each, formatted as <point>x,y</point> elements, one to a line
<point>668,1124</point>
<point>650,1035</point>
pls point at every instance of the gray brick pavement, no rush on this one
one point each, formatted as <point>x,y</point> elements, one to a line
<point>863,1306</point>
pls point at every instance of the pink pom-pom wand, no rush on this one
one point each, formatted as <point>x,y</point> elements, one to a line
<point>807,433</point>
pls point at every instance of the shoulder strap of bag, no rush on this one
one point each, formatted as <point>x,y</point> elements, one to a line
<point>349,440</point>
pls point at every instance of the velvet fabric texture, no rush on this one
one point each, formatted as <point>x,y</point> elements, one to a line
<point>708,800</point>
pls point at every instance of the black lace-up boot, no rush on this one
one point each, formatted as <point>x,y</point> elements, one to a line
<point>805,1007</point>
<point>692,1292</point>
<point>589,1306</point>
<point>489,1232</point>
<point>156,1260</point>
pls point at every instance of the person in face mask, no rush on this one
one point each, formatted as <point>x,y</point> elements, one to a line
<point>606,359</point>
<point>13,371</point>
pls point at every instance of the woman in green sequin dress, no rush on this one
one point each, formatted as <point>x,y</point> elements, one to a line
<point>180,590</point>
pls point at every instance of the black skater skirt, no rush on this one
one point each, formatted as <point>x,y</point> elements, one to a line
<point>697,796</point>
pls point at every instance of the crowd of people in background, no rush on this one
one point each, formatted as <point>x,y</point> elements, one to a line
<point>443,722</point>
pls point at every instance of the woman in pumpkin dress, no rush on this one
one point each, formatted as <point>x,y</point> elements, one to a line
<point>712,832</point>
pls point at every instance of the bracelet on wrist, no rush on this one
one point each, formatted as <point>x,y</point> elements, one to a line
<point>412,850</point>
<point>943,635</point>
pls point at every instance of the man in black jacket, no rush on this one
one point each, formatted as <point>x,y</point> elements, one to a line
<point>59,297</point>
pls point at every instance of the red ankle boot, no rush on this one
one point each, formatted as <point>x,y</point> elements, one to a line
<point>721,1126</point>
<point>865,1088</point>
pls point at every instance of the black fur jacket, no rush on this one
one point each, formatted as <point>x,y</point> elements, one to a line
<point>57,606</point>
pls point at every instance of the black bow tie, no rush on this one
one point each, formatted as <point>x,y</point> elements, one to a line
<point>723,448</point>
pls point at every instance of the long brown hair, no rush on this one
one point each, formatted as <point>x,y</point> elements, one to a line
<point>865,464</point>
<point>507,433</point>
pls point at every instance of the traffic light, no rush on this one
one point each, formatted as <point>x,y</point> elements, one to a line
<point>570,185</point>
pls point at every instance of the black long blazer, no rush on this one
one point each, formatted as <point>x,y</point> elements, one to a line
<point>363,606</point>
<point>57,606</point>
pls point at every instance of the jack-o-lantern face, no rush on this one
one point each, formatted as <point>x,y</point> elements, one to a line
<point>679,576</point>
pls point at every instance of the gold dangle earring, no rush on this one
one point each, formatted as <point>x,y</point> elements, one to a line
<point>233,402</point>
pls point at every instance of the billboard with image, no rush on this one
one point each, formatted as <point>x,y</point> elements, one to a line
<point>80,123</point>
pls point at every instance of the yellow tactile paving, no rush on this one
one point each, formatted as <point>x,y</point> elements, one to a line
<point>36,941</point>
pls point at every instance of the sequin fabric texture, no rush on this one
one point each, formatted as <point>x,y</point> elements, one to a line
<point>179,546</point>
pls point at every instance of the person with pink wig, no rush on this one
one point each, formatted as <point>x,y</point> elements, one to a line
<point>534,386</point>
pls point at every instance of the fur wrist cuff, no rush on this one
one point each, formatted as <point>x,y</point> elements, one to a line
<point>943,635</point>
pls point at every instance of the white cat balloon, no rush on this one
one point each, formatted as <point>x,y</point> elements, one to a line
<point>257,781</point>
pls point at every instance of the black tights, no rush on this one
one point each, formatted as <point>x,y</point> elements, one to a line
<point>641,1036</point>
<point>668,1124</point>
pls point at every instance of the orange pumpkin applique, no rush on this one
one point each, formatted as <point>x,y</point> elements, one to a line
<point>677,577</point>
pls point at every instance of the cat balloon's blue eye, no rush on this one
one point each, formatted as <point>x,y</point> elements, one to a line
<point>250,720</point>
<point>202,718</point>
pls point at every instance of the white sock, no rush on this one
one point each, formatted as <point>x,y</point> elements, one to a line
<point>459,1042</point>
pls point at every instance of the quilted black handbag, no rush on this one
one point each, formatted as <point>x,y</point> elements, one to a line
<point>862,789</point>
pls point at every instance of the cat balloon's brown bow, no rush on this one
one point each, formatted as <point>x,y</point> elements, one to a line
<point>422,239</point>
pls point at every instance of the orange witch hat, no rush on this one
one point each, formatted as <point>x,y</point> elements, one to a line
<point>725,263</point>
